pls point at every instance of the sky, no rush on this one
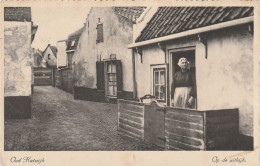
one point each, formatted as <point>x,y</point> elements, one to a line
<point>56,24</point>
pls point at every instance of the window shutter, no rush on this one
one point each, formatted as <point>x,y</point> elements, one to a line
<point>99,33</point>
<point>119,76</point>
<point>100,75</point>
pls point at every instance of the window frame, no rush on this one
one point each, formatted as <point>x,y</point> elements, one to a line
<point>159,67</point>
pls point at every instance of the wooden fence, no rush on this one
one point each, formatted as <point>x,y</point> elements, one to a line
<point>43,76</point>
<point>179,129</point>
<point>131,118</point>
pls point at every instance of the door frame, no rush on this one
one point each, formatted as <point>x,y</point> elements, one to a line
<point>170,61</point>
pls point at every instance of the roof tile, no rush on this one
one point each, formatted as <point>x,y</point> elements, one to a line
<point>170,20</point>
<point>131,13</point>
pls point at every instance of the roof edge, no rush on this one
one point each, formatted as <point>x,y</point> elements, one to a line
<point>194,31</point>
<point>62,40</point>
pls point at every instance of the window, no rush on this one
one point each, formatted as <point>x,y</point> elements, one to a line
<point>159,82</point>
<point>159,88</point>
<point>72,43</point>
<point>112,79</point>
<point>99,32</point>
<point>49,56</point>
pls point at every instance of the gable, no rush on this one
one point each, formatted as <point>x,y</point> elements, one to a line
<point>48,51</point>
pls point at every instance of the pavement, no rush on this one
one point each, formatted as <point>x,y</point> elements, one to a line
<point>60,123</point>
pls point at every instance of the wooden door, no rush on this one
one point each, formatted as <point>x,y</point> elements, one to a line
<point>154,121</point>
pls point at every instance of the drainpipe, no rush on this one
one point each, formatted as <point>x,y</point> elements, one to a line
<point>134,78</point>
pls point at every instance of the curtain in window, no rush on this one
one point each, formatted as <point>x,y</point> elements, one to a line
<point>159,84</point>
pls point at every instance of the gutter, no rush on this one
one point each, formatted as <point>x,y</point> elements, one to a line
<point>194,31</point>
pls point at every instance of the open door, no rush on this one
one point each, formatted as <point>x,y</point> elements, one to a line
<point>189,54</point>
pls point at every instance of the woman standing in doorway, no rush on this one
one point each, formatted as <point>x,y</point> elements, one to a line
<point>183,90</point>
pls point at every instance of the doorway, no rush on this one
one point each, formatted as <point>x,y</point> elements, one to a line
<point>175,55</point>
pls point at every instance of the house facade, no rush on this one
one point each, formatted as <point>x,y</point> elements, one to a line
<point>44,75</point>
<point>61,54</point>
<point>102,63</point>
<point>50,56</point>
<point>18,61</point>
<point>72,43</point>
<point>66,49</point>
<point>37,57</point>
<point>217,41</point>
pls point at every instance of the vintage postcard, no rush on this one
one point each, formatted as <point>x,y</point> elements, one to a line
<point>130,82</point>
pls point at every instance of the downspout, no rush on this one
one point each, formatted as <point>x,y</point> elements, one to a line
<point>134,76</point>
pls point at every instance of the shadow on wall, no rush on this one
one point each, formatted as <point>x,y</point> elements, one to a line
<point>82,76</point>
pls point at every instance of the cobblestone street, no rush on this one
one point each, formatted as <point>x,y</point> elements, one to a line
<point>61,123</point>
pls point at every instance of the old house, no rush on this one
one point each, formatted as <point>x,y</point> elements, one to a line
<point>102,63</point>
<point>18,61</point>
<point>50,56</point>
<point>44,75</point>
<point>66,49</point>
<point>218,42</point>
<point>61,62</point>
<point>61,54</point>
<point>37,58</point>
<point>72,43</point>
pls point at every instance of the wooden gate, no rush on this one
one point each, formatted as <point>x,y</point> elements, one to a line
<point>43,76</point>
<point>154,129</point>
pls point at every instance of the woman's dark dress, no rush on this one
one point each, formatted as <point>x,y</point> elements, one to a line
<point>184,86</point>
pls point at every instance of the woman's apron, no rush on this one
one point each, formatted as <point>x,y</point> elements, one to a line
<point>181,97</point>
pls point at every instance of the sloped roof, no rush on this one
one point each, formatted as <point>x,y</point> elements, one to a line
<point>131,13</point>
<point>74,37</point>
<point>54,50</point>
<point>171,20</point>
<point>37,58</point>
<point>34,30</point>
<point>21,14</point>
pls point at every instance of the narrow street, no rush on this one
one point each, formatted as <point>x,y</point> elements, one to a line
<point>60,123</point>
